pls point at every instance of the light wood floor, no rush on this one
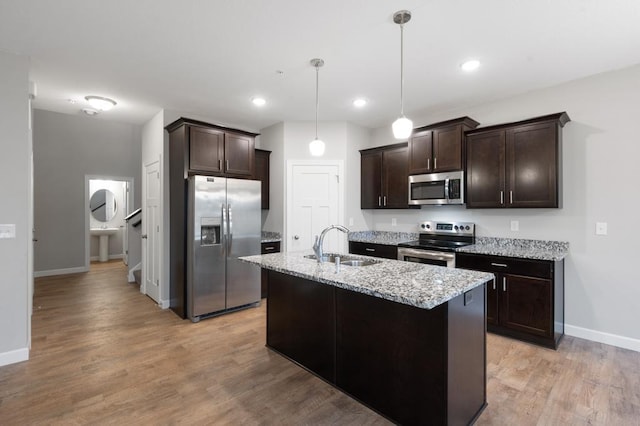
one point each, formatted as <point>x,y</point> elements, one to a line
<point>102,353</point>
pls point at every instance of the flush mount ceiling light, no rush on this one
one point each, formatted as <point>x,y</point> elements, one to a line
<point>100,103</point>
<point>90,111</point>
<point>258,101</point>
<point>402,127</point>
<point>359,103</point>
<point>470,65</point>
<point>316,146</point>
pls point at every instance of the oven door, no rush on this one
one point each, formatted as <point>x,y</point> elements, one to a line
<point>428,257</point>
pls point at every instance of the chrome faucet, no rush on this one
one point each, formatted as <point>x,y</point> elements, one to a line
<point>317,246</point>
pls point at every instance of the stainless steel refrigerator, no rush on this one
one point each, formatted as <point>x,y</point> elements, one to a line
<point>223,223</point>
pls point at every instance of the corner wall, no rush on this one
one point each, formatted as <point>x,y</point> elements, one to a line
<point>15,191</point>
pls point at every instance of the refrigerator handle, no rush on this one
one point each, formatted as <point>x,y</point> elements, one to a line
<point>223,237</point>
<point>229,226</point>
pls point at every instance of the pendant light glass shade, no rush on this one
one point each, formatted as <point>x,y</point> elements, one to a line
<point>402,127</point>
<point>316,146</point>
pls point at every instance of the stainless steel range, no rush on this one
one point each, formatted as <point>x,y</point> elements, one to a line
<point>437,243</point>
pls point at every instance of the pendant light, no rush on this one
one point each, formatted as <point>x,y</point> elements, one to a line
<point>402,127</point>
<point>316,146</point>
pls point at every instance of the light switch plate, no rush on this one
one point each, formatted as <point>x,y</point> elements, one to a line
<point>7,231</point>
<point>601,228</point>
<point>515,225</point>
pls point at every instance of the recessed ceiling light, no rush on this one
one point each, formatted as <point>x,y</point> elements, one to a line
<point>258,101</point>
<point>470,65</point>
<point>359,103</point>
<point>100,103</point>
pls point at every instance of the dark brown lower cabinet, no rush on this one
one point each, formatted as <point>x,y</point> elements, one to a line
<point>372,249</point>
<point>411,365</point>
<point>526,300</point>
<point>266,248</point>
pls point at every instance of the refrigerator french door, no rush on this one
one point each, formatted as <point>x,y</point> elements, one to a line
<point>224,223</point>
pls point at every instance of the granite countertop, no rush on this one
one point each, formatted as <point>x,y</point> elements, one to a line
<point>270,237</point>
<point>422,286</point>
<point>526,249</point>
<point>382,237</point>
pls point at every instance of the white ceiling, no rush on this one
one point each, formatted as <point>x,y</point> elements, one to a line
<point>209,57</point>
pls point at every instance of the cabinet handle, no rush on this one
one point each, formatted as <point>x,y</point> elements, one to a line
<point>502,265</point>
<point>435,163</point>
<point>494,283</point>
<point>269,248</point>
<point>384,201</point>
<point>504,284</point>
<point>510,197</point>
<point>370,249</point>
<point>220,164</point>
<point>226,162</point>
<point>501,197</point>
<point>428,163</point>
<point>379,200</point>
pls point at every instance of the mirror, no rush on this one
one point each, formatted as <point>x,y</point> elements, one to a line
<point>103,205</point>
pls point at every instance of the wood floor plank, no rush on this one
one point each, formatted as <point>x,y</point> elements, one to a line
<point>102,353</point>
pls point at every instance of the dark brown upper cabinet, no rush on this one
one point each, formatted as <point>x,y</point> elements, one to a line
<point>211,149</point>
<point>262,174</point>
<point>439,147</point>
<point>384,178</point>
<point>516,164</point>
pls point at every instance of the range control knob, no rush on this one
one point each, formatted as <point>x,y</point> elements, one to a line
<point>467,227</point>
<point>428,226</point>
<point>423,226</point>
<point>456,227</point>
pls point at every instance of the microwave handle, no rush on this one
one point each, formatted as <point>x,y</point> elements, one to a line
<point>446,189</point>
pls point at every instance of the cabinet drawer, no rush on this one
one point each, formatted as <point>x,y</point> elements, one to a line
<point>508,265</point>
<point>273,247</point>
<point>371,249</point>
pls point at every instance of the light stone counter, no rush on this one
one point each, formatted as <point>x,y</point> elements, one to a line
<point>521,248</point>
<point>422,286</point>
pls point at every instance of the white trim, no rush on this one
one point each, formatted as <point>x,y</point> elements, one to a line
<point>13,357</point>
<point>66,271</point>
<point>130,277</point>
<point>111,257</point>
<point>602,337</point>
<point>164,304</point>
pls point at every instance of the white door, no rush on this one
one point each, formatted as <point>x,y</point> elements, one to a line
<point>314,201</point>
<point>125,228</point>
<point>151,230</point>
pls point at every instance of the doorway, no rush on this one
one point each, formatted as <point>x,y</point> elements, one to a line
<point>315,200</point>
<point>109,200</point>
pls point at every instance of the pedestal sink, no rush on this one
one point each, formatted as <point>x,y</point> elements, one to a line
<point>103,234</point>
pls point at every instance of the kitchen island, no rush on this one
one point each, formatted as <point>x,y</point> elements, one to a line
<point>405,339</point>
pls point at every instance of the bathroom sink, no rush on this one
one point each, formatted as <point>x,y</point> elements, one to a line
<point>103,231</point>
<point>344,259</point>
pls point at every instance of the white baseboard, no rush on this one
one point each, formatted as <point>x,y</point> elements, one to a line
<point>13,357</point>
<point>111,257</point>
<point>65,271</point>
<point>601,337</point>
<point>164,304</point>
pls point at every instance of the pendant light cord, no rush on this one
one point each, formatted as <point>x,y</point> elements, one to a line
<point>401,70</point>
<point>317,98</point>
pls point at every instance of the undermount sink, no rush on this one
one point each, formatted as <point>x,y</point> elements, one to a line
<point>344,259</point>
<point>103,234</point>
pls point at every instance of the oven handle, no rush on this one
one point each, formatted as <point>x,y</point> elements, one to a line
<point>425,254</point>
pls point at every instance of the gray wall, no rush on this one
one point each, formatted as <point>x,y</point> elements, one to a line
<point>15,193</point>
<point>601,176</point>
<point>66,149</point>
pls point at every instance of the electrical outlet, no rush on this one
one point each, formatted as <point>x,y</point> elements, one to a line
<point>601,228</point>
<point>394,222</point>
<point>515,225</point>
<point>7,231</point>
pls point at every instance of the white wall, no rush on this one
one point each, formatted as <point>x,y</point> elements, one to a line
<point>15,193</point>
<point>601,175</point>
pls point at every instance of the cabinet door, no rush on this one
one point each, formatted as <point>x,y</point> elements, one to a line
<point>395,179</point>
<point>447,149</point>
<point>532,165</point>
<point>485,177</point>
<point>262,174</point>
<point>206,150</point>
<point>420,153</point>
<point>370,180</point>
<point>526,304</point>
<point>239,154</point>
<point>372,249</point>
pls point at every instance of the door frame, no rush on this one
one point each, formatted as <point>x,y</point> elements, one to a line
<point>289,187</point>
<point>87,198</point>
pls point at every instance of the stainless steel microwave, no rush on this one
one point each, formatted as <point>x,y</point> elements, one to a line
<point>437,188</point>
